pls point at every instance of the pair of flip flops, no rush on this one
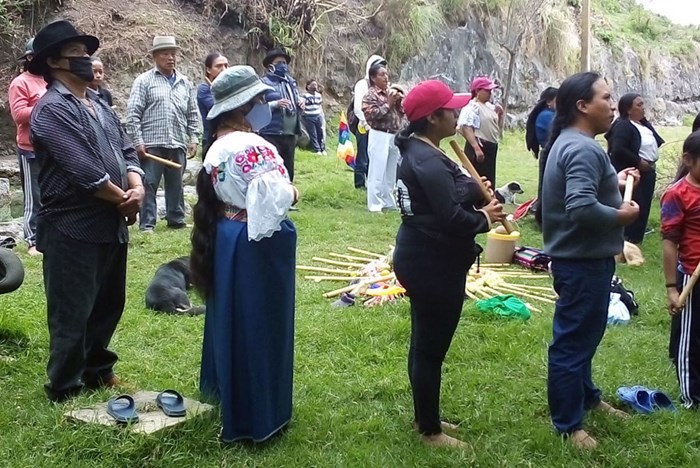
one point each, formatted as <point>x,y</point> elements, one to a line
<point>644,400</point>
<point>123,407</point>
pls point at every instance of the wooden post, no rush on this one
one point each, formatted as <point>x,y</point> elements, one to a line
<point>585,35</point>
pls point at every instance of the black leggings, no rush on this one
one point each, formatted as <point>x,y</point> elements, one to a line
<point>434,275</point>
<point>487,168</point>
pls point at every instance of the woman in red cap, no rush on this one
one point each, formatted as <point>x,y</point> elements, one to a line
<point>479,123</point>
<point>442,210</point>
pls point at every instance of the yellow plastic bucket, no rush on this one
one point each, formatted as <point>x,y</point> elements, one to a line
<point>500,246</point>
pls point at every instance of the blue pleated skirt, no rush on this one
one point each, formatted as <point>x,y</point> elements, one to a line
<point>248,349</point>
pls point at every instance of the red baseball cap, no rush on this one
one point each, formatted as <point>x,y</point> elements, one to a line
<point>428,96</point>
<point>482,82</point>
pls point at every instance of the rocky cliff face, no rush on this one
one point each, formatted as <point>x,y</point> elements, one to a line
<point>670,85</point>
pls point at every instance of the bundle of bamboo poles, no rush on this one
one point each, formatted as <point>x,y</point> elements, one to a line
<point>370,274</point>
<point>491,280</point>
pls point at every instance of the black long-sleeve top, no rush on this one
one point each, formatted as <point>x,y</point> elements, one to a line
<point>624,142</point>
<point>79,153</point>
<point>436,197</point>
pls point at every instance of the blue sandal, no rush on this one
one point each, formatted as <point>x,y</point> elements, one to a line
<point>123,409</point>
<point>661,401</point>
<point>638,398</point>
<point>171,403</point>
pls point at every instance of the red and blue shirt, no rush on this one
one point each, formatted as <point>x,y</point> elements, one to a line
<point>680,222</point>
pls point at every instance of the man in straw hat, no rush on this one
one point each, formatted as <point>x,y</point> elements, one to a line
<point>25,91</point>
<point>163,120</point>
<point>91,188</point>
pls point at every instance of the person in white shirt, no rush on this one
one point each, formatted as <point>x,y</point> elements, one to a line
<point>362,132</point>
<point>633,142</point>
<point>479,123</point>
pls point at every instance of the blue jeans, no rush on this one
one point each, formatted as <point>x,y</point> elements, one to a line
<point>580,317</point>
<point>172,185</point>
<point>361,160</point>
<point>29,174</point>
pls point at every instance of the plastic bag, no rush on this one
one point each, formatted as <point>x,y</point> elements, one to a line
<point>504,306</point>
<point>618,314</point>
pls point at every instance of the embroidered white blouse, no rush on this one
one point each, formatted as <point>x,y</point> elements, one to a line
<point>248,173</point>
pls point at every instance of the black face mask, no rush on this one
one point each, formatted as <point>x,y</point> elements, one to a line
<point>80,67</point>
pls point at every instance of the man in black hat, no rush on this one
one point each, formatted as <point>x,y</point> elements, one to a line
<point>286,106</point>
<point>91,188</point>
<point>25,91</point>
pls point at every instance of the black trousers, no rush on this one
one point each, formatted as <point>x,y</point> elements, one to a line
<point>684,346</point>
<point>643,194</point>
<point>286,146</point>
<point>434,275</point>
<point>85,292</point>
<point>487,168</point>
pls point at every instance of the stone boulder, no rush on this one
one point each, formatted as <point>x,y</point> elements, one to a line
<point>5,200</point>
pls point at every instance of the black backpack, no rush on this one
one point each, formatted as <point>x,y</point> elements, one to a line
<point>353,120</point>
<point>626,295</point>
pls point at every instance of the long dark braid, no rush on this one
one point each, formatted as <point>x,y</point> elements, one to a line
<point>205,214</point>
<point>575,88</point>
<point>531,141</point>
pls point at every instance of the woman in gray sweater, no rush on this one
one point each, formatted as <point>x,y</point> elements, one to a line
<point>583,217</point>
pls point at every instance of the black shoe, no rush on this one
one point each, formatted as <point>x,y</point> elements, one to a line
<point>63,395</point>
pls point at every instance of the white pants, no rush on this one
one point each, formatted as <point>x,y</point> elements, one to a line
<point>381,176</point>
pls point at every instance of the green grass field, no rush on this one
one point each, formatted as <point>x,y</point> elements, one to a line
<point>352,404</point>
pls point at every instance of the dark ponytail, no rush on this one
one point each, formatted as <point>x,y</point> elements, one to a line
<point>531,126</point>
<point>205,214</point>
<point>696,123</point>
<point>625,104</point>
<point>575,88</point>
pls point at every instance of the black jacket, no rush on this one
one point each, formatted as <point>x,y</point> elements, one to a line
<point>624,142</point>
<point>436,197</point>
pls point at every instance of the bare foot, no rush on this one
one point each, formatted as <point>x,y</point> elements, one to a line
<point>582,440</point>
<point>607,408</point>
<point>33,251</point>
<point>445,426</point>
<point>443,440</point>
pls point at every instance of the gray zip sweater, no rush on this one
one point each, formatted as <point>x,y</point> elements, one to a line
<point>580,198</point>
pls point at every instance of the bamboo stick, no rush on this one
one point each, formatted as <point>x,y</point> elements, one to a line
<point>534,288</point>
<point>471,295</point>
<point>689,286</point>
<point>337,263</point>
<point>477,177</point>
<point>629,188</point>
<point>326,270</point>
<point>531,296</point>
<point>376,279</point>
<point>164,162</point>
<point>335,278</point>
<point>352,257</point>
<point>365,252</point>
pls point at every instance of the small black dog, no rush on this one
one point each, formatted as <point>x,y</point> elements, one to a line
<point>506,194</point>
<point>167,291</point>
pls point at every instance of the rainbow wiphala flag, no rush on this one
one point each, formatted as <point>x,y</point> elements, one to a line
<point>346,152</point>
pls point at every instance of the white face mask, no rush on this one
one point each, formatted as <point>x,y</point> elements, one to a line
<point>259,116</point>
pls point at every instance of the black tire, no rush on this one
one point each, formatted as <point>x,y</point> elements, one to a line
<point>11,271</point>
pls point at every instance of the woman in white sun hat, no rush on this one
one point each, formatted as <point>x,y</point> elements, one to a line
<point>243,260</point>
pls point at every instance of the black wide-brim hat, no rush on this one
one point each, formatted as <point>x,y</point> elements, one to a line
<point>53,36</point>
<point>273,54</point>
